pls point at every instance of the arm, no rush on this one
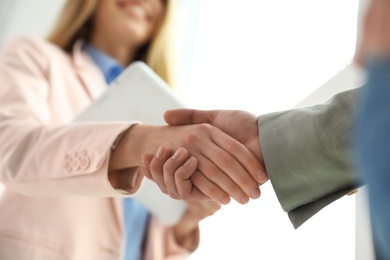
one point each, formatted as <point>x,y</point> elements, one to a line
<point>308,157</point>
<point>221,159</point>
<point>306,152</point>
<point>40,158</point>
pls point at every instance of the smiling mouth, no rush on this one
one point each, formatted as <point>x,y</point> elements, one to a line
<point>138,11</point>
<point>135,11</point>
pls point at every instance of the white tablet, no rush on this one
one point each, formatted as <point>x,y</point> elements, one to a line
<point>139,94</point>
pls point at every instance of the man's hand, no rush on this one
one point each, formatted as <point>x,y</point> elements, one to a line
<point>240,125</point>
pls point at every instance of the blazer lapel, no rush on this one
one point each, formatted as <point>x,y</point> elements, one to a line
<point>89,74</point>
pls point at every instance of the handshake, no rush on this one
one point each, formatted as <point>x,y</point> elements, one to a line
<point>218,158</point>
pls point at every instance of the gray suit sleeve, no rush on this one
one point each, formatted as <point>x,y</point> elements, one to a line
<point>308,156</point>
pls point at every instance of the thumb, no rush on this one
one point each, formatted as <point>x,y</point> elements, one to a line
<point>188,116</point>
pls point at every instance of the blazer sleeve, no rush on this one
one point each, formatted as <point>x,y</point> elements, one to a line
<point>308,155</point>
<point>36,157</point>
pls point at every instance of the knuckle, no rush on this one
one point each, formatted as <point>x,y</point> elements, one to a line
<point>198,131</point>
<point>192,138</point>
<point>205,127</point>
<point>202,127</point>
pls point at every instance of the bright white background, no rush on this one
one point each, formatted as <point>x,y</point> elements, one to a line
<point>264,56</point>
<point>260,56</point>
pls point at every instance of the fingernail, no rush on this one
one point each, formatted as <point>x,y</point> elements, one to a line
<point>255,194</point>
<point>176,155</point>
<point>261,177</point>
<point>244,200</point>
<point>159,153</point>
<point>225,200</point>
<point>188,162</point>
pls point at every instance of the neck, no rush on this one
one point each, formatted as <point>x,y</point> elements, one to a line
<point>124,54</point>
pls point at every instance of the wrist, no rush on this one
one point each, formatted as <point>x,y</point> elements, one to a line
<point>254,143</point>
<point>129,148</point>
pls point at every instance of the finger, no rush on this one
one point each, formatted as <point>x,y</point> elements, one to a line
<point>170,168</point>
<point>209,188</point>
<point>183,182</point>
<point>194,193</point>
<point>188,116</point>
<point>210,157</point>
<point>156,167</point>
<point>224,169</point>
<point>220,178</point>
<point>191,116</point>
<point>239,163</point>
<point>146,159</point>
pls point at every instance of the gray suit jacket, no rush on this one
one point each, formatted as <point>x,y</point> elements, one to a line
<point>308,156</point>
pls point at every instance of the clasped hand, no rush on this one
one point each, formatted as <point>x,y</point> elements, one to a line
<point>184,176</point>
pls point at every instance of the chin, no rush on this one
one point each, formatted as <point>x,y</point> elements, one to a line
<point>137,35</point>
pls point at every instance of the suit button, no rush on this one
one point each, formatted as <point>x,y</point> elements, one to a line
<point>67,165</point>
<point>84,162</point>
<point>75,163</point>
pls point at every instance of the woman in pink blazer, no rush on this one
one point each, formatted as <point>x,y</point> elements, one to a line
<point>64,182</point>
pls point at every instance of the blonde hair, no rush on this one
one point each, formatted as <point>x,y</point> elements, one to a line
<point>75,22</point>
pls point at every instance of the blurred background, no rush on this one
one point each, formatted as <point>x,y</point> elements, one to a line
<point>261,56</point>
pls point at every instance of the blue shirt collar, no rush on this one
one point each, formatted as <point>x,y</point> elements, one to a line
<point>109,66</point>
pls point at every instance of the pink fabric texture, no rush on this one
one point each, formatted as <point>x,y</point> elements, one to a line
<point>58,202</point>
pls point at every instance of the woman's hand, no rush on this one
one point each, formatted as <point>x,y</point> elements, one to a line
<point>176,171</point>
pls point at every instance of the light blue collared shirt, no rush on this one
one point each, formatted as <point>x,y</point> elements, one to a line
<point>109,66</point>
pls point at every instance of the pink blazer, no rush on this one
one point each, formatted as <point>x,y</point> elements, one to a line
<point>57,202</point>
